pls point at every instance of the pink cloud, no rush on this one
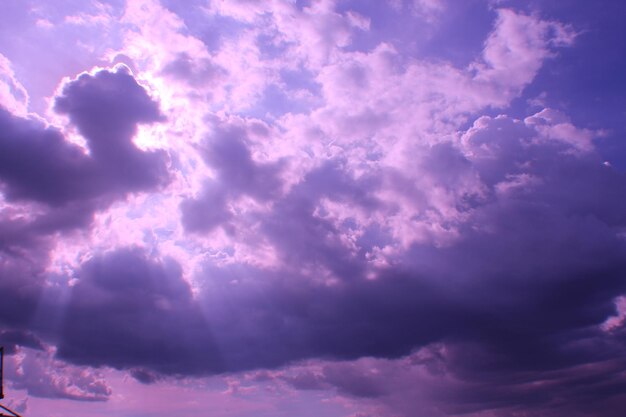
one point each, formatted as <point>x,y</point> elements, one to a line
<point>517,48</point>
<point>40,375</point>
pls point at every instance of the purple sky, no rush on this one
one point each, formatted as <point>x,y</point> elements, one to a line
<point>323,208</point>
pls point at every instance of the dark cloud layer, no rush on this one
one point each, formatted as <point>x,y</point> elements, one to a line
<point>40,375</point>
<point>238,174</point>
<point>37,163</point>
<point>128,311</point>
<point>521,294</point>
<point>389,258</point>
<point>518,299</point>
<point>53,185</point>
<point>21,283</point>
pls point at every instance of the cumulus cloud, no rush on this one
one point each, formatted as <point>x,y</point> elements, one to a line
<point>51,185</point>
<point>11,339</point>
<point>385,235</point>
<point>237,174</point>
<point>435,381</point>
<point>42,376</point>
<point>130,311</point>
<point>39,164</point>
<point>517,47</point>
<point>22,266</point>
<point>13,95</point>
<point>496,291</point>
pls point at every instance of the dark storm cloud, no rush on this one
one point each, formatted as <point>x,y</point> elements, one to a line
<point>144,376</point>
<point>106,108</point>
<point>131,311</point>
<point>517,299</point>
<point>11,339</point>
<point>39,375</point>
<point>21,282</point>
<point>55,186</point>
<point>238,174</point>
<point>267,321</point>
<point>38,165</point>
<point>520,294</point>
<point>530,274</point>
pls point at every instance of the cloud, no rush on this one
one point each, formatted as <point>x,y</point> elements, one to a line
<point>434,382</point>
<point>207,211</point>
<point>197,73</point>
<point>13,95</point>
<point>51,185</point>
<point>27,144</point>
<point>430,10</point>
<point>42,376</point>
<point>106,108</point>
<point>227,152</point>
<point>143,376</point>
<point>40,166</point>
<point>521,292</point>
<point>11,339</point>
<point>128,310</point>
<point>22,278</point>
<point>236,174</point>
<point>380,234</point>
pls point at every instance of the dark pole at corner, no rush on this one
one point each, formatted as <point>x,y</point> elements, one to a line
<point>1,372</point>
<point>2,407</point>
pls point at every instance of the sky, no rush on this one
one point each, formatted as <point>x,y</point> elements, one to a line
<point>292,208</point>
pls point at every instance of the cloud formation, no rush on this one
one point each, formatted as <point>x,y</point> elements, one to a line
<point>42,376</point>
<point>295,197</point>
<point>39,164</point>
<point>490,303</point>
<point>127,311</point>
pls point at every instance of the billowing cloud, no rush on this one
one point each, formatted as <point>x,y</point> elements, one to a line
<point>42,376</point>
<point>492,300</point>
<point>237,175</point>
<point>130,311</point>
<point>11,339</point>
<point>40,165</point>
<point>293,200</point>
<point>52,185</point>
